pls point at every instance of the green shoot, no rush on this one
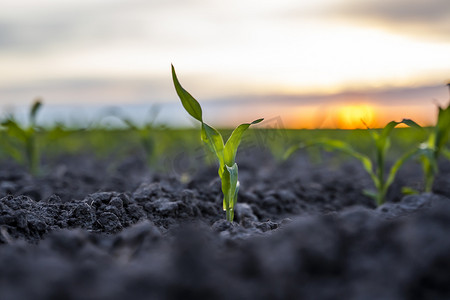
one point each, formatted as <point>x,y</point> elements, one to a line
<point>225,153</point>
<point>146,133</point>
<point>25,138</point>
<point>435,146</point>
<point>376,168</point>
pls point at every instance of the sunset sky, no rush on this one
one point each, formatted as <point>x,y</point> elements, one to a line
<point>323,63</point>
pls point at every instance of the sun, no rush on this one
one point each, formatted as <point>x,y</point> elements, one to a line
<point>355,116</point>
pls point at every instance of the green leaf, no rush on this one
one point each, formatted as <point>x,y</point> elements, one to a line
<point>388,129</point>
<point>234,140</point>
<point>347,149</point>
<point>409,191</point>
<point>236,194</point>
<point>230,187</point>
<point>382,142</point>
<point>33,112</point>
<point>213,139</point>
<point>442,128</point>
<point>130,124</point>
<point>411,123</point>
<point>292,149</point>
<point>446,153</point>
<point>189,103</point>
<point>57,132</point>
<point>233,171</point>
<point>14,130</point>
<point>371,194</point>
<point>14,153</point>
<point>429,165</point>
<point>338,145</point>
<point>226,183</point>
<point>398,164</point>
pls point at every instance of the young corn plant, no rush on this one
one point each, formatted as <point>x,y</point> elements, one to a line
<point>375,168</point>
<point>25,148</point>
<point>434,146</point>
<point>145,133</point>
<point>225,153</point>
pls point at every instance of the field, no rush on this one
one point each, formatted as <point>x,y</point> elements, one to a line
<point>136,212</point>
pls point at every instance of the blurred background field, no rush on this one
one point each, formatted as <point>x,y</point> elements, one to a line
<point>158,145</point>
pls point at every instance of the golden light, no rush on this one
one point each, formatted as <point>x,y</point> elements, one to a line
<point>355,116</point>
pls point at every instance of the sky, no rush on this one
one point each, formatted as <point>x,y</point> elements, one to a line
<point>323,63</point>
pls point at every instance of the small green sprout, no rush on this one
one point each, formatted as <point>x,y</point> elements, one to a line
<point>24,137</point>
<point>146,133</point>
<point>376,169</point>
<point>435,146</point>
<point>225,153</point>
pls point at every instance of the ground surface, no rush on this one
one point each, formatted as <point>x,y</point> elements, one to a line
<point>92,229</point>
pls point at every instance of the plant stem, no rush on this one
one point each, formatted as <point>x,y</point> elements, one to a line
<point>381,195</point>
<point>382,188</point>
<point>230,215</point>
<point>32,155</point>
<point>429,182</point>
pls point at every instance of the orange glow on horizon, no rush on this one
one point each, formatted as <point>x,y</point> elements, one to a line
<point>357,116</point>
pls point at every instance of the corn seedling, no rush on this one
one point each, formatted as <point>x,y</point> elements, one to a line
<point>145,133</point>
<point>434,146</point>
<point>225,153</point>
<point>25,138</point>
<point>376,168</point>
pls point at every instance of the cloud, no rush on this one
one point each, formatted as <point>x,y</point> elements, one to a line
<point>404,10</point>
<point>167,23</point>
<point>33,37</point>
<point>406,95</point>
<point>412,17</point>
<point>78,25</point>
<point>90,91</point>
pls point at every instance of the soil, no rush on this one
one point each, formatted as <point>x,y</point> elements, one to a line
<point>102,229</point>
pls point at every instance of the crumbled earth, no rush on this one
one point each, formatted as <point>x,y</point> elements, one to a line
<point>93,229</point>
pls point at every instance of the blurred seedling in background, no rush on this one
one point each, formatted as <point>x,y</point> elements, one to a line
<point>225,153</point>
<point>435,146</point>
<point>21,144</point>
<point>375,168</point>
<point>145,132</point>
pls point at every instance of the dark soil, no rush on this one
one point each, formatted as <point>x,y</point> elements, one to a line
<point>92,229</point>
